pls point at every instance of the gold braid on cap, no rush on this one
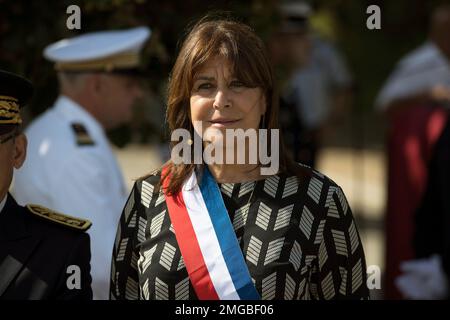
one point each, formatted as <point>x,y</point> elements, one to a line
<point>9,110</point>
<point>108,64</point>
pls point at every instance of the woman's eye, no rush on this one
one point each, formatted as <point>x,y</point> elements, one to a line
<point>237,84</point>
<point>205,86</point>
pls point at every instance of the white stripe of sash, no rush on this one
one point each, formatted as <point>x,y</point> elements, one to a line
<point>207,240</point>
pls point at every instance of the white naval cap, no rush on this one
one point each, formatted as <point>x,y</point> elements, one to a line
<point>295,16</point>
<point>299,9</point>
<point>99,51</point>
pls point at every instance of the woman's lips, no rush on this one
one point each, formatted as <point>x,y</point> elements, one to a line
<point>222,123</point>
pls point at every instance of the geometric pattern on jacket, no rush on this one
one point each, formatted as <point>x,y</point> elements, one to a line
<point>298,238</point>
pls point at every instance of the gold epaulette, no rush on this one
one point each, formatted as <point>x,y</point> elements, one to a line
<point>68,221</point>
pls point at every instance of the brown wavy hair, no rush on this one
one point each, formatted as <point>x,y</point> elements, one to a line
<point>246,52</point>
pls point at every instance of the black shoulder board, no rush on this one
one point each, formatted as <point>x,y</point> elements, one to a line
<point>82,135</point>
<point>59,218</point>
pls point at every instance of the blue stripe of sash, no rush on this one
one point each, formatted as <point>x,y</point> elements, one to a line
<point>229,245</point>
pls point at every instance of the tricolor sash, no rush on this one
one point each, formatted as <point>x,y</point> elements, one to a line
<point>207,241</point>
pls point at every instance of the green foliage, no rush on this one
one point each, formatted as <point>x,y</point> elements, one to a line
<point>26,27</point>
<point>372,54</point>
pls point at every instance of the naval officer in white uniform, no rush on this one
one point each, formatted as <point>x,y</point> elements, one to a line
<point>71,167</point>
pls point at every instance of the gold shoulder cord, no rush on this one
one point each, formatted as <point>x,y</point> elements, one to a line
<point>68,221</point>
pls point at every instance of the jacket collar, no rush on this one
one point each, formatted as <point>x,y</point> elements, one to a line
<point>2,203</point>
<point>12,220</point>
<point>16,242</point>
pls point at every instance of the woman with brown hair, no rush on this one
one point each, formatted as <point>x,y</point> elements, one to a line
<point>205,229</point>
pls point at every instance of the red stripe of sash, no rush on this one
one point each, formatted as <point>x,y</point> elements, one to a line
<point>188,243</point>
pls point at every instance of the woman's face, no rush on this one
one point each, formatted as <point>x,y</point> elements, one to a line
<point>219,100</point>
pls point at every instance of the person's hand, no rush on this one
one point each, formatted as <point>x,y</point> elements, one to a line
<point>423,279</point>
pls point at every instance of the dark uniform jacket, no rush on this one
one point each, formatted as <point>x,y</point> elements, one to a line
<point>432,231</point>
<point>41,259</point>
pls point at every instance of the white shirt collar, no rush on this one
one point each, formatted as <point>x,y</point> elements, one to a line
<point>3,202</point>
<point>76,113</point>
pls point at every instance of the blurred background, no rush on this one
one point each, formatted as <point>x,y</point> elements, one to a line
<point>346,140</point>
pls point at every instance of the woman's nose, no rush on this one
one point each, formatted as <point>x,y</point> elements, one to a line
<point>221,100</point>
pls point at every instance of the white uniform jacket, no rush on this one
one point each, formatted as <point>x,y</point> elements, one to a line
<point>71,168</point>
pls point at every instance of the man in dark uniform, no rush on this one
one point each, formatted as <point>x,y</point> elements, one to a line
<point>428,277</point>
<point>43,254</point>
